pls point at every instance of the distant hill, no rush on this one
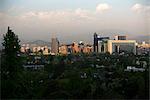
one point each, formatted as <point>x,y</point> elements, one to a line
<point>39,43</point>
<point>143,38</point>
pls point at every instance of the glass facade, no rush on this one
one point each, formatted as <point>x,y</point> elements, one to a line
<point>123,47</point>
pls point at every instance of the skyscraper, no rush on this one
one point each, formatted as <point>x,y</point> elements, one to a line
<point>119,45</point>
<point>95,43</point>
<point>55,46</point>
<point>98,41</point>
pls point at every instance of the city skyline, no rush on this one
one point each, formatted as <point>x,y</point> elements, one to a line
<point>75,20</point>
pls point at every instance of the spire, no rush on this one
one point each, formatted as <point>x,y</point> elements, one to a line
<point>8,28</point>
<point>9,31</point>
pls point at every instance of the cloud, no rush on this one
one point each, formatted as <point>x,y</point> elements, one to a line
<point>58,16</point>
<point>139,8</point>
<point>103,7</point>
<point>67,22</point>
<point>82,13</point>
<point>142,9</point>
<point>52,20</point>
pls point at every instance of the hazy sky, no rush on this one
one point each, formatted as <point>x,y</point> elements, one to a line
<point>75,20</point>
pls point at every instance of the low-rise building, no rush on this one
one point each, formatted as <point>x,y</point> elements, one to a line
<point>63,49</point>
<point>143,48</point>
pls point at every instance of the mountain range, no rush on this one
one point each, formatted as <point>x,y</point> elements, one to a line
<point>39,43</point>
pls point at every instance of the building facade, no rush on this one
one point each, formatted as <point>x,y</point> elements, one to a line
<point>55,46</point>
<point>63,49</point>
<point>120,37</point>
<point>118,46</point>
<point>100,43</point>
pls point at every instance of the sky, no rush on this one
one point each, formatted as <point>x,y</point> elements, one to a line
<point>75,20</point>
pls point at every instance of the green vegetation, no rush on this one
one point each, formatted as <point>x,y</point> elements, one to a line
<point>11,69</point>
<point>75,76</point>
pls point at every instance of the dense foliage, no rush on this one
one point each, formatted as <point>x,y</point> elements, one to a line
<point>75,76</point>
<point>11,69</point>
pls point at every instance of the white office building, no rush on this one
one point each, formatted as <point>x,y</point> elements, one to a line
<point>121,46</point>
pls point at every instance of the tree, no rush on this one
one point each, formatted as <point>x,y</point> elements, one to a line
<point>11,66</point>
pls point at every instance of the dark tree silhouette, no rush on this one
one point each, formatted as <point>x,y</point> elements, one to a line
<point>11,66</point>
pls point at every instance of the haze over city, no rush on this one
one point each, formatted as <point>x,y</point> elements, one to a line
<point>75,20</point>
<point>75,49</point>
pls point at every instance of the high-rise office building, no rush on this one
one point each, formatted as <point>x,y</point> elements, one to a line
<point>95,46</point>
<point>100,43</point>
<point>55,46</point>
<point>121,46</point>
